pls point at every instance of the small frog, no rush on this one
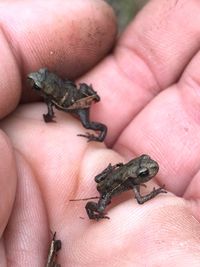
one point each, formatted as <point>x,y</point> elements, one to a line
<point>122,177</point>
<point>66,96</point>
<point>55,246</point>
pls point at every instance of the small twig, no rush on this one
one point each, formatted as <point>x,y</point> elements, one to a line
<point>79,199</point>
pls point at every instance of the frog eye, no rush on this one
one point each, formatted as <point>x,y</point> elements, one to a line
<point>36,87</point>
<point>142,172</point>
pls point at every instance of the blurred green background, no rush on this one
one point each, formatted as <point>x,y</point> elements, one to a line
<point>126,10</point>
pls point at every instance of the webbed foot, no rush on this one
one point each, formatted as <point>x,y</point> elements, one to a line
<point>93,213</point>
<point>48,118</point>
<point>90,137</point>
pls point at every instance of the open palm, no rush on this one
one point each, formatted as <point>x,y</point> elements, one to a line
<point>149,88</point>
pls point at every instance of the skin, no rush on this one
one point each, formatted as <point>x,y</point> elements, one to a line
<point>151,81</point>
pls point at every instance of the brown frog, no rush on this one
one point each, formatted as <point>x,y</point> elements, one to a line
<point>66,96</point>
<point>122,177</point>
<point>55,246</point>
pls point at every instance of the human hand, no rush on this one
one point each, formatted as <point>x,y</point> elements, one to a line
<point>63,36</point>
<point>150,86</point>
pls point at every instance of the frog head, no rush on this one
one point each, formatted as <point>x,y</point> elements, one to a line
<point>37,79</point>
<point>146,169</point>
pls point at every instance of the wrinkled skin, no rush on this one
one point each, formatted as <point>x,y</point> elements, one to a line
<point>150,103</point>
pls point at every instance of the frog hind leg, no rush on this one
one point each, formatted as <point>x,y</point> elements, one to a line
<point>95,210</point>
<point>92,211</point>
<point>87,90</point>
<point>96,126</point>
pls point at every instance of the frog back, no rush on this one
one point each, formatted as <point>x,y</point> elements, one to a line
<point>54,86</point>
<point>112,182</point>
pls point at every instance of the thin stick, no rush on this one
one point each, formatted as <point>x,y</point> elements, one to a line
<point>79,199</point>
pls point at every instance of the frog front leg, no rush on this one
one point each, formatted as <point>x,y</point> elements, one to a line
<point>50,114</point>
<point>95,211</point>
<point>96,126</point>
<point>142,199</point>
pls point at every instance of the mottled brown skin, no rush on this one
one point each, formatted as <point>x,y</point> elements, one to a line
<point>122,177</point>
<point>64,95</point>
<point>55,246</point>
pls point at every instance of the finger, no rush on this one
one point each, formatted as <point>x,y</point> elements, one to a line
<point>169,129</point>
<point>27,233</point>
<point>55,151</point>
<point>68,38</point>
<point>151,54</point>
<point>162,40</point>
<point>189,87</point>
<point>8,180</point>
